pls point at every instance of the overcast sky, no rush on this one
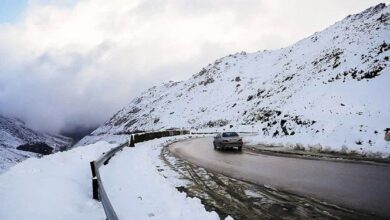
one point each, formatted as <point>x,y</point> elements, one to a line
<point>66,63</point>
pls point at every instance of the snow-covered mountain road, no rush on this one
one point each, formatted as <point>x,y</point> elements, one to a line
<point>358,186</point>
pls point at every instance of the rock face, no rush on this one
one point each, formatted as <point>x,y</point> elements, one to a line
<point>18,142</point>
<point>330,88</point>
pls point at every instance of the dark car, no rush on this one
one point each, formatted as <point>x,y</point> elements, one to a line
<point>227,140</point>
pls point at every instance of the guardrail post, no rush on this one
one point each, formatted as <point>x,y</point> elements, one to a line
<point>131,143</point>
<point>93,168</point>
<point>95,184</point>
<point>95,189</point>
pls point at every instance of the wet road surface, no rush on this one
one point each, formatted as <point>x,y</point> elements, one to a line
<point>358,186</point>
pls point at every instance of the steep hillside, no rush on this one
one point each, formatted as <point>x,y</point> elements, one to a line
<point>14,134</point>
<point>331,88</point>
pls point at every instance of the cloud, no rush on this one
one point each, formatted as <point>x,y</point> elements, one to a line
<point>71,63</point>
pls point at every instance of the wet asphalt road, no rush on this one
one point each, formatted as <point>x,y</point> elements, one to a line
<point>359,186</point>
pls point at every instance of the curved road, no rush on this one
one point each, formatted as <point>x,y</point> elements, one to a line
<point>358,186</point>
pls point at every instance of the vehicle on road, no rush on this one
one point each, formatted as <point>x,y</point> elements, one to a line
<point>227,140</point>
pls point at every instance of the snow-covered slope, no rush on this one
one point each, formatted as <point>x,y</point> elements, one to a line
<point>14,133</point>
<point>330,88</point>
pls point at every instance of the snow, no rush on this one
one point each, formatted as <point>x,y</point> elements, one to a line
<point>138,190</point>
<point>327,91</point>
<point>14,133</point>
<point>317,145</point>
<point>330,89</point>
<point>58,186</point>
<point>9,157</point>
<point>251,193</point>
<point>106,137</point>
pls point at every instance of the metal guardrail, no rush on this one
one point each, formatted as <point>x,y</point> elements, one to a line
<point>98,191</point>
<point>216,132</point>
<point>97,185</point>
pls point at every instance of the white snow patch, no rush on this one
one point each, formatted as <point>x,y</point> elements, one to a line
<point>53,187</point>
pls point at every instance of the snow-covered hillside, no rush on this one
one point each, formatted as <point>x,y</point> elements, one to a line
<point>331,88</point>
<point>14,133</point>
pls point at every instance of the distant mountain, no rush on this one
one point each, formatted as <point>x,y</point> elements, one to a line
<point>14,135</point>
<point>330,88</point>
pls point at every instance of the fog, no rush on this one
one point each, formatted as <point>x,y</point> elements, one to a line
<point>75,63</point>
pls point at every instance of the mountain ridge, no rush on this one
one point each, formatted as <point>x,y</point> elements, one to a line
<point>329,88</point>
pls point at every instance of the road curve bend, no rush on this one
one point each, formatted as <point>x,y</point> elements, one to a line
<point>357,186</point>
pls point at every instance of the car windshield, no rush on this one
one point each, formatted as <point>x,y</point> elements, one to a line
<point>230,134</point>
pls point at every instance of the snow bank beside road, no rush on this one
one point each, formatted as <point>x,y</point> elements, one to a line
<point>334,142</point>
<point>58,186</point>
<point>137,189</point>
